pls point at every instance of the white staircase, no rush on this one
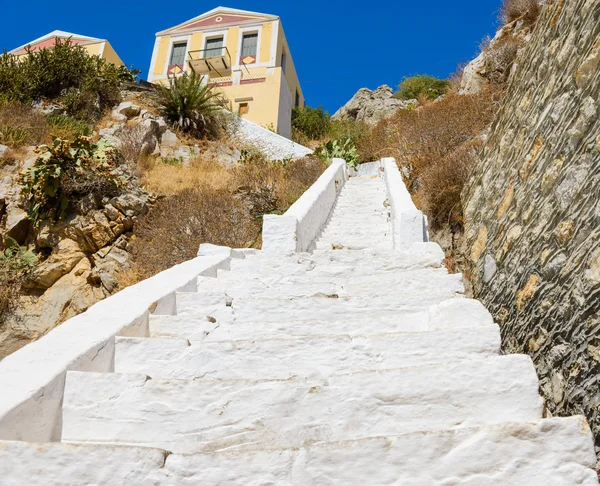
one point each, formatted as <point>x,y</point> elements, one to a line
<point>357,364</point>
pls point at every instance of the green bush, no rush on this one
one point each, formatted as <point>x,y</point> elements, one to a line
<point>422,85</point>
<point>192,106</point>
<point>347,128</point>
<point>63,126</point>
<point>339,149</point>
<point>84,84</point>
<point>312,122</point>
<point>65,172</point>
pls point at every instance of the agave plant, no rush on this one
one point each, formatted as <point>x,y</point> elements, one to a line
<point>191,105</point>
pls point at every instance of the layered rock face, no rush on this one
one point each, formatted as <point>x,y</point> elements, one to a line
<point>371,106</point>
<point>533,209</point>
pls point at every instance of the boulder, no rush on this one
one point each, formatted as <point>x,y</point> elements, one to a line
<point>63,259</point>
<point>3,151</point>
<point>128,109</point>
<point>371,106</point>
<point>169,139</point>
<point>17,224</point>
<point>118,117</point>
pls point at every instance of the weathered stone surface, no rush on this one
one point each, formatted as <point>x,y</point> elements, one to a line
<point>128,109</point>
<point>16,224</point>
<point>3,151</point>
<point>63,259</point>
<point>371,106</point>
<point>169,139</point>
<point>545,293</point>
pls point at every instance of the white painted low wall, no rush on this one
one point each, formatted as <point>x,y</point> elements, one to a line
<point>299,227</point>
<point>409,225</point>
<point>271,144</point>
<point>32,379</point>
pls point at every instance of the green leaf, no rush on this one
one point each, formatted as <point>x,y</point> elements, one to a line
<point>11,243</point>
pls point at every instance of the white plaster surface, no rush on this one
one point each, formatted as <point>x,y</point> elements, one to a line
<point>35,374</point>
<point>273,145</point>
<point>188,416</point>
<point>297,229</point>
<point>316,356</point>
<point>555,452</point>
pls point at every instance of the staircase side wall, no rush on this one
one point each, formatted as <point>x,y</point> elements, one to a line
<point>32,379</point>
<point>300,226</point>
<point>409,225</point>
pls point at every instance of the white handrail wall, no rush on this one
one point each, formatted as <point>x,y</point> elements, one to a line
<point>299,227</point>
<point>32,379</point>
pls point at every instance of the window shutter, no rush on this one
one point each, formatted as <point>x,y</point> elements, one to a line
<point>249,44</point>
<point>178,53</point>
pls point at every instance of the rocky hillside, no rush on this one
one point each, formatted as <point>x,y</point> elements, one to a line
<point>114,235</point>
<point>371,106</point>
<point>532,212</point>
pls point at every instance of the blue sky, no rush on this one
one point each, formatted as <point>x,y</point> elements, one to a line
<point>337,46</point>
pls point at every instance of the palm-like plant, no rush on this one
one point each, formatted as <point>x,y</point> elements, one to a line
<point>191,105</point>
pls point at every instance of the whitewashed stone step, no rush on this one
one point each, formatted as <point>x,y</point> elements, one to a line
<point>328,284</point>
<point>449,315</point>
<point>556,452</point>
<point>420,298</point>
<point>316,356</point>
<point>56,464</point>
<point>194,328</point>
<point>191,416</point>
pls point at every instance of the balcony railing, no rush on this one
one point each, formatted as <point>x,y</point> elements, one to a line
<point>212,60</point>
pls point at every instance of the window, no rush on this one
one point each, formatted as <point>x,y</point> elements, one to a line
<point>297,98</point>
<point>244,108</point>
<point>178,53</point>
<point>283,62</point>
<point>249,44</point>
<point>214,47</point>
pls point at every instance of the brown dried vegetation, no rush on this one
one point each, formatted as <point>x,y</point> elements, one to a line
<point>433,145</point>
<point>511,10</point>
<point>208,203</point>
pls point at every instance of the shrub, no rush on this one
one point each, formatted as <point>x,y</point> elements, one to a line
<point>65,127</point>
<point>15,262</point>
<point>499,58</point>
<point>422,86</point>
<point>347,128</point>
<point>511,10</point>
<point>312,122</point>
<point>65,172</point>
<point>192,106</point>
<point>442,183</point>
<point>340,149</point>
<point>85,85</point>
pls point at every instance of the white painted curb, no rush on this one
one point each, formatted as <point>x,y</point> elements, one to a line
<point>409,225</point>
<point>32,379</point>
<point>300,226</point>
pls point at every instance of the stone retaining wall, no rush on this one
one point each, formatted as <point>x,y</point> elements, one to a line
<point>533,210</point>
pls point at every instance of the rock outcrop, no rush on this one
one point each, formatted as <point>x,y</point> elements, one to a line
<point>371,106</point>
<point>532,212</point>
<point>79,258</point>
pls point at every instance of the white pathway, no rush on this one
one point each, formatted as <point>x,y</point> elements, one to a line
<point>354,365</point>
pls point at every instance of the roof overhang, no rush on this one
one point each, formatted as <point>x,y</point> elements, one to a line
<point>60,34</point>
<point>237,17</point>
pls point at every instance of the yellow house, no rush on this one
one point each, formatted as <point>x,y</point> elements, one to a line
<point>243,54</point>
<point>94,47</point>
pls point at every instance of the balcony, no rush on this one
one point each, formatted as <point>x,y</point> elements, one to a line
<point>208,61</point>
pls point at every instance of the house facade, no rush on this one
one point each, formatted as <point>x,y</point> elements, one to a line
<point>94,46</point>
<point>243,54</point>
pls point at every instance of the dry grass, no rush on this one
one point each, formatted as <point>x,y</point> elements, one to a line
<point>511,10</point>
<point>439,193</point>
<point>21,125</point>
<point>208,203</point>
<point>426,143</point>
